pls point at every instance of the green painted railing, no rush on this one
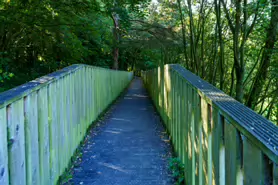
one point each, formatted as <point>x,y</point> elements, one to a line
<point>219,140</point>
<point>43,122</point>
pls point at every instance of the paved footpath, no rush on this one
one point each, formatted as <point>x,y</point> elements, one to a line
<point>128,147</point>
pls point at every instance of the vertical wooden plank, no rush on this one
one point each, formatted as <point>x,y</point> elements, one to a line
<point>84,103</point>
<point>170,128</point>
<point>75,111</point>
<point>189,135</point>
<point>275,174</point>
<point>192,136</point>
<point>185,124</point>
<point>79,106</point>
<point>165,92</point>
<point>31,139</point>
<point>209,140</point>
<point>232,154</point>
<point>16,139</point>
<point>71,113</point>
<point>59,123</point>
<point>180,120</point>
<point>53,132</point>
<point>205,137</point>
<point>222,155</point>
<point>86,97</point>
<point>175,129</point>
<point>90,111</point>
<point>67,87</point>
<point>198,138</point>
<point>62,144</point>
<point>94,95</point>
<point>253,164</point>
<point>4,170</point>
<point>43,135</point>
<point>215,143</point>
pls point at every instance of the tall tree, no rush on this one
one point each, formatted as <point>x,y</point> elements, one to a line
<point>271,38</point>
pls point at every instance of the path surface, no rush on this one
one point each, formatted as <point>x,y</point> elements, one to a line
<point>128,147</point>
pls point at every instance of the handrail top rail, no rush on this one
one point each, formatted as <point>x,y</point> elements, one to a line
<point>262,132</point>
<point>16,93</point>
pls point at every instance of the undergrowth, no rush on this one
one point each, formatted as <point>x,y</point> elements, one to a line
<point>177,169</point>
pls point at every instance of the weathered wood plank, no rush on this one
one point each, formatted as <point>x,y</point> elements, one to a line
<point>275,174</point>
<point>206,143</point>
<point>179,115</point>
<point>253,164</point>
<point>67,125</point>
<point>31,139</point>
<point>198,139</point>
<point>192,136</point>
<point>209,140</point>
<point>16,139</point>
<point>53,132</point>
<point>215,144</point>
<point>43,136</point>
<point>182,122</point>
<point>189,135</point>
<point>4,170</point>
<point>222,155</point>
<point>58,109</point>
<point>232,155</point>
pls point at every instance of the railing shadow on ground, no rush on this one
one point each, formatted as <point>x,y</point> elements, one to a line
<point>219,140</point>
<point>43,121</point>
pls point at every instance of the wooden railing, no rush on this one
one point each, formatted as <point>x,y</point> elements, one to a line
<point>43,122</point>
<point>219,140</point>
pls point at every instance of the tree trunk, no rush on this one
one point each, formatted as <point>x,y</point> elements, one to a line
<point>221,43</point>
<point>262,72</point>
<point>183,34</point>
<point>194,59</point>
<point>237,54</point>
<point>116,36</point>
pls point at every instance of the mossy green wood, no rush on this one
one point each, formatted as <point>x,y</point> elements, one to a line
<point>53,132</point>
<point>220,144</point>
<point>209,148</point>
<point>63,144</point>
<point>4,170</point>
<point>70,116</point>
<point>56,112</point>
<point>184,123</point>
<point>180,119</point>
<point>174,116</point>
<point>176,123</point>
<point>232,155</point>
<point>16,139</point>
<point>204,144</point>
<point>192,137</point>
<point>197,139</point>
<point>253,171</point>
<point>171,107</point>
<point>67,119</point>
<point>215,145</point>
<point>31,139</point>
<point>187,135</point>
<point>60,126</point>
<point>275,174</point>
<point>62,131</point>
<point>222,165</point>
<point>43,136</point>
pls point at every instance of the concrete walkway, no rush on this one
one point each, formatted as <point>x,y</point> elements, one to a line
<point>128,146</point>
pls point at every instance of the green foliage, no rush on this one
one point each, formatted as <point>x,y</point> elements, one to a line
<point>177,169</point>
<point>38,37</point>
